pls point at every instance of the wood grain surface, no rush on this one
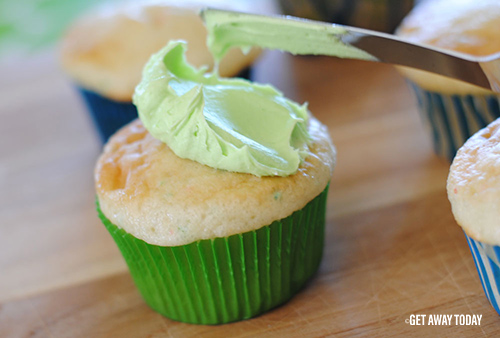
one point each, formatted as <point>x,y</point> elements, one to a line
<point>392,247</point>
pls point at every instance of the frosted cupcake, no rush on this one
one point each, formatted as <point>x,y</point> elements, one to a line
<point>453,110</point>
<point>104,52</point>
<point>216,198</point>
<point>474,193</point>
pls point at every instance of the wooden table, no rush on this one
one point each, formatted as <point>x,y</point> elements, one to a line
<point>393,248</point>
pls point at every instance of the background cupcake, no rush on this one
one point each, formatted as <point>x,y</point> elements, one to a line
<point>474,192</point>
<point>453,110</point>
<point>105,51</point>
<point>219,207</point>
<point>381,15</point>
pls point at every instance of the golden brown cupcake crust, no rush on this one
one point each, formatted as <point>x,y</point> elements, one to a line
<point>153,194</point>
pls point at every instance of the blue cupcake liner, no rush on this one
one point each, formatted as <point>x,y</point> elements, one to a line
<point>108,115</point>
<point>452,119</point>
<point>487,260</point>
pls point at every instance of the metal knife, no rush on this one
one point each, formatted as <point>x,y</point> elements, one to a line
<point>373,46</point>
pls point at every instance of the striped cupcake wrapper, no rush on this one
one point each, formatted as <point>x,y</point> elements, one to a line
<point>228,279</point>
<point>487,260</point>
<point>381,15</point>
<point>452,119</point>
<point>108,115</point>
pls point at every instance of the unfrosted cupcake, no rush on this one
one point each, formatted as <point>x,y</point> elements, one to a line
<point>104,52</point>
<point>216,198</point>
<point>381,15</point>
<point>453,110</point>
<point>474,193</point>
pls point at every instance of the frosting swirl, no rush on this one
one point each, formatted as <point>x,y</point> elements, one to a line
<point>230,124</point>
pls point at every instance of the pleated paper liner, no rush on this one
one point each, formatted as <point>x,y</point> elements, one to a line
<point>487,260</point>
<point>108,115</point>
<point>228,279</point>
<point>452,119</point>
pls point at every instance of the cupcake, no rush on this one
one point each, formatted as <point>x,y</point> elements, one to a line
<point>104,52</point>
<point>452,109</point>
<point>380,15</point>
<point>216,196</point>
<point>474,193</point>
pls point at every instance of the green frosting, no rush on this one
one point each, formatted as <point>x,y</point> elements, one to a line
<point>228,29</point>
<point>230,124</point>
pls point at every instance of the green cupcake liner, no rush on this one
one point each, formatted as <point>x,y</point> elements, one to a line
<point>227,279</point>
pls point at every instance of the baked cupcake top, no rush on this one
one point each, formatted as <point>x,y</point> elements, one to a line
<point>474,185</point>
<point>466,26</point>
<point>106,50</point>
<point>156,196</point>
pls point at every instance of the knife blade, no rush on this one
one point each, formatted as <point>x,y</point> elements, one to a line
<point>229,29</point>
